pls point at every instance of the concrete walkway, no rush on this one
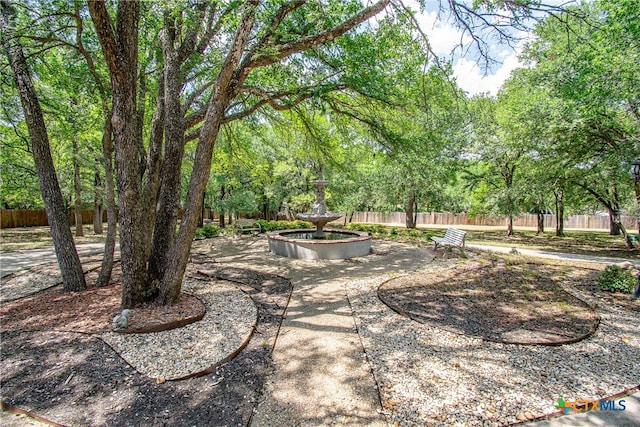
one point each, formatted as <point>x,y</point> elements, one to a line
<point>14,261</point>
<point>554,255</point>
<point>322,376</point>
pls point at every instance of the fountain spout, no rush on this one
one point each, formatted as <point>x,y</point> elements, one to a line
<point>319,215</point>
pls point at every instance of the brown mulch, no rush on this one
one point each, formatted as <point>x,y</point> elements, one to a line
<point>92,310</point>
<point>77,379</point>
<point>513,302</point>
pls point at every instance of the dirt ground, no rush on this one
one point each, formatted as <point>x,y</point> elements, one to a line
<point>92,310</point>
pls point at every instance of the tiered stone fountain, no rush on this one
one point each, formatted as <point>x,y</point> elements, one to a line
<point>319,244</point>
<point>319,215</point>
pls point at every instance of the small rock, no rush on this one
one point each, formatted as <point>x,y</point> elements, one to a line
<point>626,265</point>
<point>121,321</point>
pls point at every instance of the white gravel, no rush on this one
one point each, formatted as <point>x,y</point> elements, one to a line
<point>26,282</point>
<point>429,376</point>
<point>226,327</point>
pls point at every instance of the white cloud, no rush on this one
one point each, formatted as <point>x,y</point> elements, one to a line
<point>444,38</point>
<point>472,79</point>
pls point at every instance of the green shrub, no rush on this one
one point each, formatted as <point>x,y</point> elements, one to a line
<point>208,230</point>
<point>356,226</point>
<point>282,225</point>
<point>616,279</point>
<point>299,224</point>
<point>414,233</point>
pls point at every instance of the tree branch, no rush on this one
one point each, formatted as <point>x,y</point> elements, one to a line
<point>303,43</point>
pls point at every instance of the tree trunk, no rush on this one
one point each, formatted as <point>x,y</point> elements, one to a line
<point>169,198</point>
<point>559,196</point>
<point>68,260</point>
<point>121,54</point>
<point>409,218</point>
<point>222,196</point>
<point>225,89</point>
<point>97,200</point>
<point>140,109</point>
<point>540,214</point>
<point>637,191</point>
<point>627,238</point>
<point>614,227</point>
<point>154,166</point>
<point>510,224</point>
<point>130,215</point>
<point>109,187</point>
<point>616,220</point>
<point>614,214</point>
<point>77,188</point>
<point>201,219</point>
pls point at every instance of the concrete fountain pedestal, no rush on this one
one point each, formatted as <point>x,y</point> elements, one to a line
<point>321,243</point>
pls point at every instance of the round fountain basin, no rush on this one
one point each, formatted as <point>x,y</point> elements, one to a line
<point>336,244</point>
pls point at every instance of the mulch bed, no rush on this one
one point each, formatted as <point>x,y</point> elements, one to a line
<point>92,310</point>
<point>515,302</point>
<point>76,379</point>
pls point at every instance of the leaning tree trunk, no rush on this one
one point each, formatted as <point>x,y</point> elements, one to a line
<point>225,89</point>
<point>68,260</point>
<point>616,220</point>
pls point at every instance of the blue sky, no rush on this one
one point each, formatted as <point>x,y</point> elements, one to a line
<point>468,69</point>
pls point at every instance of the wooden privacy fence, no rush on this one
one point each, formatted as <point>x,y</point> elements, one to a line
<point>594,222</point>
<point>13,218</point>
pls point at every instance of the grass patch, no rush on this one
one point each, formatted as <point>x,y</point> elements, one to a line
<point>597,243</point>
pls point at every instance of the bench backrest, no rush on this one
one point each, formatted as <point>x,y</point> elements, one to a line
<point>454,236</point>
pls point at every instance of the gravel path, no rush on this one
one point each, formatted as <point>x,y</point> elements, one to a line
<point>322,375</point>
<point>195,348</point>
